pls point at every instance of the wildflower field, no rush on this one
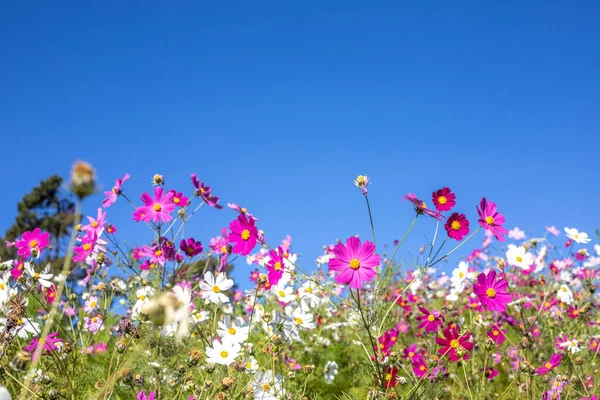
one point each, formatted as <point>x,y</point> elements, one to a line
<point>162,318</point>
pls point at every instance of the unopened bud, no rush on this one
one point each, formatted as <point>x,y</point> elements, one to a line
<point>158,179</point>
<point>83,179</point>
<point>291,375</point>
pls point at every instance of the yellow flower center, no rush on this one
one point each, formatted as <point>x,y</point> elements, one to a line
<point>388,377</point>
<point>489,220</point>
<point>547,304</point>
<point>266,386</point>
<point>281,293</point>
<point>455,225</point>
<point>423,205</point>
<point>575,312</point>
<point>224,249</point>
<point>277,266</point>
<point>354,264</point>
<point>308,290</point>
<point>422,368</point>
<point>430,318</point>
<point>33,243</point>
<point>411,354</point>
<point>224,354</point>
<point>442,200</point>
<point>158,253</point>
<point>245,234</point>
<point>548,365</point>
<point>94,319</point>
<point>176,200</point>
<point>360,179</point>
<point>157,207</point>
<point>491,293</point>
<point>231,331</point>
<point>216,289</point>
<point>1,286</point>
<point>142,297</point>
<point>248,365</point>
<point>495,333</point>
<point>299,321</point>
<point>87,247</point>
<point>92,304</point>
<point>243,210</point>
<point>454,344</point>
<point>564,289</point>
<point>461,274</point>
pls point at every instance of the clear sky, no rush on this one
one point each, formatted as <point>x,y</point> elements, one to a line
<point>279,105</point>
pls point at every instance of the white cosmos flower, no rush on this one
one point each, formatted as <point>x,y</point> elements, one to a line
<point>460,274</point>
<point>212,288</point>
<point>235,330</point>
<point>143,296</point>
<point>578,237</point>
<point>571,345</point>
<point>309,295</point>
<point>251,365</point>
<point>597,249</point>
<point>267,387</point>
<point>300,318</point>
<point>5,289</point>
<point>24,327</point>
<point>223,352</point>
<point>331,370</point>
<point>42,278</point>
<point>453,296</point>
<point>519,257</point>
<point>199,316</point>
<point>565,295</point>
<point>285,294</point>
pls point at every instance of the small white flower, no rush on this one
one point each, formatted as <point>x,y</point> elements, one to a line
<point>224,352</point>
<point>565,295</point>
<point>579,237</point>
<point>251,365</point>
<point>460,274</point>
<point>519,257</point>
<point>331,370</point>
<point>42,278</point>
<point>212,288</point>
<point>300,318</point>
<point>285,294</point>
<point>143,296</point>
<point>267,387</point>
<point>234,330</point>
<point>199,316</point>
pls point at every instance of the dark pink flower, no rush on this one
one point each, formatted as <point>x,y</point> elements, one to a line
<point>179,199</point>
<point>444,199</point>
<point>431,321</point>
<point>243,234</point>
<point>421,207</point>
<point>457,226</point>
<point>573,311</point>
<point>142,396</point>
<point>275,266</point>
<point>191,247</point>
<point>115,192</point>
<point>204,192</point>
<point>419,367</point>
<point>355,262</point>
<point>490,219</point>
<point>549,365</point>
<point>49,344</point>
<point>497,334</point>
<point>455,345</point>
<point>157,209</point>
<point>32,242</point>
<point>491,292</point>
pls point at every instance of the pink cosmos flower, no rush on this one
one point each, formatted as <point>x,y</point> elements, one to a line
<point>50,344</point>
<point>490,219</point>
<point>32,243</point>
<point>497,334</point>
<point>191,248</point>
<point>491,373</point>
<point>491,292</point>
<point>87,246</point>
<point>111,229</point>
<point>419,367</point>
<point>157,209</point>
<point>549,365</point>
<point>355,263</point>
<point>204,192</point>
<point>275,266</point>
<point>516,234</point>
<point>243,234</point>
<point>431,321</point>
<point>553,230</point>
<point>421,207</point>
<point>453,341</point>
<point>457,226</point>
<point>115,192</point>
<point>241,210</point>
<point>93,324</point>
<point>142,396</point>
<point>179,199</point>
<point>97,224</point>
<point>573,311</point>
<point>154,253</point>
<point>443,199</point>
<point>90,304</point>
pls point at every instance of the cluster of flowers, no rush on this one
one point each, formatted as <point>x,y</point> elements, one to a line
<point>164,319</point>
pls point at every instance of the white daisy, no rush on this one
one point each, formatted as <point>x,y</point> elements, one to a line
<point>579,237</point>
<point>211,288</point>
<point>223,352</point>
<point>565,295</point>
<point>235,330</point>
<point>519,257</point>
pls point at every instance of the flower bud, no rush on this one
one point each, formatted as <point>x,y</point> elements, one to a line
<point>291,375</point>
<point>210,368</point>
<point>158,179</point>
<point>83,179</point>
<point>227,382</point>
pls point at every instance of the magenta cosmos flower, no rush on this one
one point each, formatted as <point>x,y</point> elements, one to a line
<point>49,344</point>
<point>491,292</point>
<point>275,266</point>
<point>244,234</point>
<point>452,341</point>
<point>443,199</point>
<point>203,192</point>
<point>355,263</point>
<point>549,365</point>
<point>490,219</point>
<point>191,247</point>
<point>457,226</point>
<point>421,207</point>
<point>115,192</point>
<point>32,243</point>
<point>157,209</point>
<point>431,321</point>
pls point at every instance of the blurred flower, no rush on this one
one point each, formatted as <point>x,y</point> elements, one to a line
<point>579,237</point>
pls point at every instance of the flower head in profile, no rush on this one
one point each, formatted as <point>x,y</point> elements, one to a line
<point>32,243</point>
<point>490,219</point>
<point>204,193</point>
<point>276,265</point>
<point>354,262</point>
<point>421,207</point>
<point>362,181</point>
<point>576,236</point>
<point>157,209</point>
<point>241,210</point>
<point>443,199</point>
<point>492,292</point>
<point>243,234</point>
<point>457,226</point>
<point>114,193</point>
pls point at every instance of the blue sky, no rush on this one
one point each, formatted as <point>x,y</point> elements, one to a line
<point>279,105</point>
